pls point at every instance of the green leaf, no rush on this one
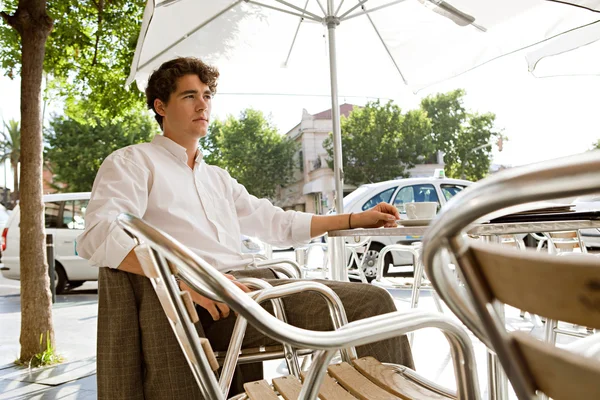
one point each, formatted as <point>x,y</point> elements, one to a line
<point>88,53</point>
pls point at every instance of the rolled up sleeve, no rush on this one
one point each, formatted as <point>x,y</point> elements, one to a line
<point>271,224</point>
<point>121,185</point>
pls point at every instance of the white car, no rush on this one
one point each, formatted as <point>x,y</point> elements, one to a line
<point>64,216</point>
<point>399,192</point>
<point>4,215</point>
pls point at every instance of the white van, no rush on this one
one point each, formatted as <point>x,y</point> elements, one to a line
<point>399,192</point>
<point>64,214</point>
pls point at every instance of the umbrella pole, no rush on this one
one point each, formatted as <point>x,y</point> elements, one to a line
<point>336,245</point>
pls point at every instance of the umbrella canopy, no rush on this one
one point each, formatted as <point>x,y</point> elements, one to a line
<point>574,53</point>
<point>417,42</point>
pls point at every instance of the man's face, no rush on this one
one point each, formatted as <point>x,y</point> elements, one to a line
<point>188,111</point>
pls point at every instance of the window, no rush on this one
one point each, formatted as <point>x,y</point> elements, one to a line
<point>73,213</point>
<point>79,213</point>
<point>51,213</point>
<point>415,194</point>
<point>450,190</point>
<point>386,195</point>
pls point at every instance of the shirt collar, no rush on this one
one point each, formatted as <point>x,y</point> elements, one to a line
<point>178,151</point>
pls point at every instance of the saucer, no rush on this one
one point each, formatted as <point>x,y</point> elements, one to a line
<point>414,222</point>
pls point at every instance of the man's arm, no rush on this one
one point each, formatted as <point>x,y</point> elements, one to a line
<point>121,185</point>
<point>383,214</point>
<point>131,264</point>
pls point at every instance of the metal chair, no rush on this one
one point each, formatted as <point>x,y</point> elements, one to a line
<point>418,275</point>
<point>302,254</point>
<point>563,244</point>
<point>415,250</point>
<point>162,257</point>
<point>277,264</point>
<point>561,288</point>
<point>356,265</point>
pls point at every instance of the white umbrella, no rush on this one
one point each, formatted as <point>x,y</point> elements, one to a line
<point>574,53</point>
<point>414,42</point>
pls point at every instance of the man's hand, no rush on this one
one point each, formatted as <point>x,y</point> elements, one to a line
<point>383,214</point>
<point>216,310</point>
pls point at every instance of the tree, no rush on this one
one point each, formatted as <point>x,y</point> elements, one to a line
<point>381,143</point>
<point>11,150</point>
<point>76,150</point>
<point>464,137</point>
<point>596,145</point>
<point>252,151</point>
<point>33,25</point>
<point>87,57</point>
<point>88,54</point>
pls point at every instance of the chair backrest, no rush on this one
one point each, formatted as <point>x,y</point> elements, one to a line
<point>562,288</point>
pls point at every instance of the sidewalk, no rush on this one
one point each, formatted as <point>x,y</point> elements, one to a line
<point>75,329</point>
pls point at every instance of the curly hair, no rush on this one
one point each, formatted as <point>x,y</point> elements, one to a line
<point>163,82</point>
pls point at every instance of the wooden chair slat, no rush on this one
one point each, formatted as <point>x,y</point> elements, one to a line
<point>289,387</point>
<point>563,235</point>
<point>389,379</point>
<point>358,385</point>
<point>186,297</point>
<point>558,373</point>
<point>566,288</point>
<point>567,245</point>
<point>330,390</point>
<point>210,355</point>
<point>260,390</point>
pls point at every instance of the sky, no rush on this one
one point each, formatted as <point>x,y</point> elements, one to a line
<point>543,118</point>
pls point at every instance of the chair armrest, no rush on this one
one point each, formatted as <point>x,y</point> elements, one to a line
<point>274,262</point>
<point>402,248</point>
<point>336,308</point>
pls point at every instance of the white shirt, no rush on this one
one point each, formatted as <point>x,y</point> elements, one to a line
<point>205,208</point>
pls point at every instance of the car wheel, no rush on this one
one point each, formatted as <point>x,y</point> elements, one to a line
<point>75,284</point>
<point>60,279</point>
<point>371,258</point>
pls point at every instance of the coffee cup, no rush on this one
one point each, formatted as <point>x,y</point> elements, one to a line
<point>421,210</point>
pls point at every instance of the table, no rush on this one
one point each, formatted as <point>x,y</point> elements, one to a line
<point>485,229</point>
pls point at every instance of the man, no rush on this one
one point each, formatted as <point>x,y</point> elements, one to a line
<point>167,183</point>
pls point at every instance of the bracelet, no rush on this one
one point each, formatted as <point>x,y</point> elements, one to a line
<point>350,220</point>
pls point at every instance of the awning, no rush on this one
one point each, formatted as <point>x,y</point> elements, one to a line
<point>319,185</point>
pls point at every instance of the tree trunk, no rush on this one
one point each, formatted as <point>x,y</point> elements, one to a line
<point>34,25</point>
